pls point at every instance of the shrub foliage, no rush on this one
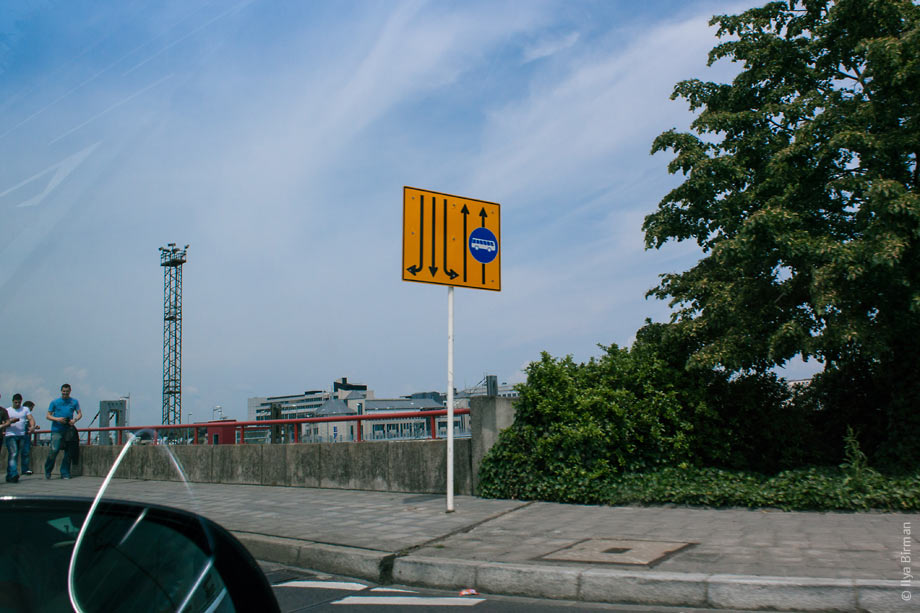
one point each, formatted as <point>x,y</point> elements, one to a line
<point>640,426</point>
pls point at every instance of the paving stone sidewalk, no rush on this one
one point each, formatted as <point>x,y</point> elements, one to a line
<point>738,541</point>
<point>850,556</point>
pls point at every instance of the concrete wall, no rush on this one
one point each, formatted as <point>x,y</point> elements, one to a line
<point>40,454</point>
<point>488,417</point>
<point>387,466</point>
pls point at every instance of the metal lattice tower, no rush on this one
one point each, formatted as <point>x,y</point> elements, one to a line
<point>171,259</point>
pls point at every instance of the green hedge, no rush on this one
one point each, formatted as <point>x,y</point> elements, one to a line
<point>851,486</point>
<point>823,489</point>
<point>805,489</point>
<point>640,426</point>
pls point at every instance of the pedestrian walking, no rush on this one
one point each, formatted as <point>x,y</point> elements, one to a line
<point>14,438</point>
<point>4,419</point>
<point>63,412</point>
<point>26,466</point>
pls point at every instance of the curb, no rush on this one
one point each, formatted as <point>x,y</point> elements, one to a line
<point>717,591</point>
<point>739,592</point>
<point>335,559</point>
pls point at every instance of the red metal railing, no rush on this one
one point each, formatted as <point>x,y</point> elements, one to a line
<point>239,427</point>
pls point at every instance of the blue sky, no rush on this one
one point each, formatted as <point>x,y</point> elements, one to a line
<point>275,139</point>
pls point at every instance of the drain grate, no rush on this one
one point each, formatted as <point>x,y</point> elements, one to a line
<point>617,551</point>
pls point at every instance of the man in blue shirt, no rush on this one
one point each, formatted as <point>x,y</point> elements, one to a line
<point>63,412</point>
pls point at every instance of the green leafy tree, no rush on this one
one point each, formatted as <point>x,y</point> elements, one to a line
<point>801,187</point>
<point>576,424</point>
<point>745,422</point>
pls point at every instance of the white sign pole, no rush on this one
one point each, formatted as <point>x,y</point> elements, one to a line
<point>450,398</point>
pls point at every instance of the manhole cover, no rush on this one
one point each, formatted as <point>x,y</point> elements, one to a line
<point>615,551</point>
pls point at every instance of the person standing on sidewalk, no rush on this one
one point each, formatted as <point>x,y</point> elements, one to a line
<point>63,412</point>
<point>4,420</point>
<point>14,437</point>
<point>26,466</point>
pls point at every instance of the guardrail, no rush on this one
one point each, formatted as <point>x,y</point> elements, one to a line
<point>287,430</point>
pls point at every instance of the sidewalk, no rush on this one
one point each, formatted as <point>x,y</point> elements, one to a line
<point>720,558</point>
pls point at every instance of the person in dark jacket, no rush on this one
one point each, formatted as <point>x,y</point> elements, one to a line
<point>27,446</point>
<point>5,421</point>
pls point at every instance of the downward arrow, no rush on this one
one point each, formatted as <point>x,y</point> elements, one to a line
<point>434,237</point>
<point>417,268</point>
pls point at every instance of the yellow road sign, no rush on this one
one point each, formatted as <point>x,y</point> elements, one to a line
<point>451,240</point>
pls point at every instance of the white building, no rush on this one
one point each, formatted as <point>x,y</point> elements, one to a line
<point>351,399</point>
<point>298,406</point>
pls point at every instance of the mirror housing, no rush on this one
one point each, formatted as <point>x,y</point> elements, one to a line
<point>132,555</point>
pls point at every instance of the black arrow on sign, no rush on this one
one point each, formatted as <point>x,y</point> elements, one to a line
<point>417,268</point>
<point>482,214</point>
<point>465,212</point>
<point>434,236</point>
<point>449,272</point>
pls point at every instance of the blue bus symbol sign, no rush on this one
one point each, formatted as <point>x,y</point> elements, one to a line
<point>483,245</point>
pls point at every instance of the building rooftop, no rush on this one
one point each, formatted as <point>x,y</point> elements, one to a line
<point>402,404</point>
<point>295,396</point>
<point>334,407</point>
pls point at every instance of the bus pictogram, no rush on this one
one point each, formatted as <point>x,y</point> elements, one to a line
<point>479,243</point>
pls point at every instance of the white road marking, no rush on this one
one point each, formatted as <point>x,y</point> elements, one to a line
<point>392,589</point>
<point>421,601</point>
<point>328,585</point>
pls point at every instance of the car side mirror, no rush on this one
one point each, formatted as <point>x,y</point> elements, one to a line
<point>128,556</point>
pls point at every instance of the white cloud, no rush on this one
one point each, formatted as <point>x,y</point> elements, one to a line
<point>32,387</point>
<point>278,150</point>
<point>546,47</point>
<point>75,375</point>
<point>582,271</point>
<point>607,104</point>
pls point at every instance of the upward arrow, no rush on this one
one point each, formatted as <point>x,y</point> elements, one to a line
<point>465,212</point>
<point>482,214</point>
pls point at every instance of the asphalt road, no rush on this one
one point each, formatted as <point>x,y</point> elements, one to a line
<point>302,590</point>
